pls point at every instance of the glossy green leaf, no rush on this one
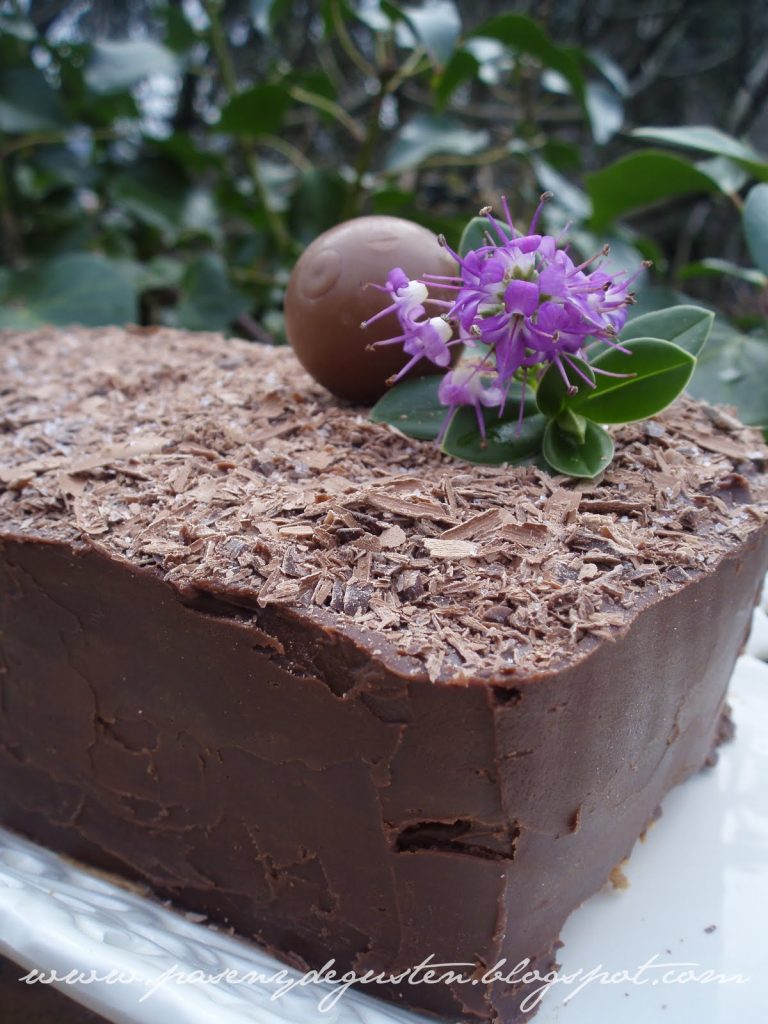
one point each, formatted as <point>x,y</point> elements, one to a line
<point>118,64</point>
<point>552,394</point>
<point>395,202</point>
<point>640,180</point>
<point>756,225</point>
<point>154,193</point>
<point>49,170</point>
<point>525,35</point>
<point>567,455</point>
<point>426,135</point>
<point>82,288</point>
<point>610,70</point>
<point>378,17</point>
<point>413,407</point>
<point>209,300</point>
<point>462,66</point>
<point>437,26</point>
<point>716,267</point>
<point>256,111</point>
<point>261,13</point>
<point>686,326</point>
<point>565,194</point>
<point>160,273</point>
<point>200,215</point>
<point>19,28</point>
<point>605,109</point>
<point>473,236</point>
<point>180,35</point>
<point>573,425</point>
<point>28,103</point>
<point>660,371</point>
<point>730,176</point>
<point>495,60</point>
<point>317,203</point>
<point>706,139</point>
<point>733,368</point>
<point>507,440</point>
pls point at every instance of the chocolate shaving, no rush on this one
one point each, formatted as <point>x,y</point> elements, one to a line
<point>219,464</point>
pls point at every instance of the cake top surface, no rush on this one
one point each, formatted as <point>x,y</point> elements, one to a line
<point>223,467</point>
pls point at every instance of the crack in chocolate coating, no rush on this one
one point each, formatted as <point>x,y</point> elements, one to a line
<point>449,770</point>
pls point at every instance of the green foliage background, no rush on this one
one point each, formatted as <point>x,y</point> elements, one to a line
<point>166,162</point>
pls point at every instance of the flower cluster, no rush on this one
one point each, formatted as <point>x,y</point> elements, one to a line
<point>523,299</point>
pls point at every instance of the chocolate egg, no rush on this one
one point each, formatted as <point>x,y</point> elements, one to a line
<point>326,302</point>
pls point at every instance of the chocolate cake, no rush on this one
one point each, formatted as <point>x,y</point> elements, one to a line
<point>330,687</point>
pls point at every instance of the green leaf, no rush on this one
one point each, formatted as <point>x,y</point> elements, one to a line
<point>19,28</point>
<point>606,111</point>
<point>640,180</point>
<point>160,273</point>
<point>82,288</point>
<point>396,202</point>
<point>426,135</point>
<point>756,225</point>
<point>179,35</point>
<point>660,371</point>
<point>118,64</point>
<point>551,394</point>
<point>317,203</point>
<point>378,17</point>
<point>28,103</point>
<point>154,193</point>
<point>686,326</point>
<point>709,140</point>
<point>564,193</point>
<point>567,455</point>
<point>52,167</point>
<point>504,442</point>
<point>413,407</point>
<point>573,425</point>
<point>186,154</point>
<point>733,368</point>
<point>462,66</point>
<point>209,300</point>
<point>199,215</point>
<point>437,26</point>
<point>261,14</point>
<point>256,111</point>
<point>525,35</point>
<point>610,70</point>
<point>730,176</point>
<point>714,266</point>
<point>473,236</point>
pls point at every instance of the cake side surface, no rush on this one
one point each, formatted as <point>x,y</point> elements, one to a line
<point>243,659</point>
<point>398,821</point>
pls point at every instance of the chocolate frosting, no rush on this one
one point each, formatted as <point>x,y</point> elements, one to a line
<point>225,469</point>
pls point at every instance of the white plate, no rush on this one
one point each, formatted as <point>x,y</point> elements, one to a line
<point>704,863</point>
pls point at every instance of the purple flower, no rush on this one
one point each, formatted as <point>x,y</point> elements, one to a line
<point>468,384</point>
<point>425,339</point>
<point>422,337</point>
<point>524,297</point>
<point>407,296</point>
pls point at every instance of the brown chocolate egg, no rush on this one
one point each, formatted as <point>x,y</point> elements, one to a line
<point>326,302</point>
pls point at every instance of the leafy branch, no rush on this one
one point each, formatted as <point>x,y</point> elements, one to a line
<point>220,47</point>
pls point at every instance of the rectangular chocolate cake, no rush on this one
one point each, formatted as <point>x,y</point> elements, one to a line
<point>328,686</point>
